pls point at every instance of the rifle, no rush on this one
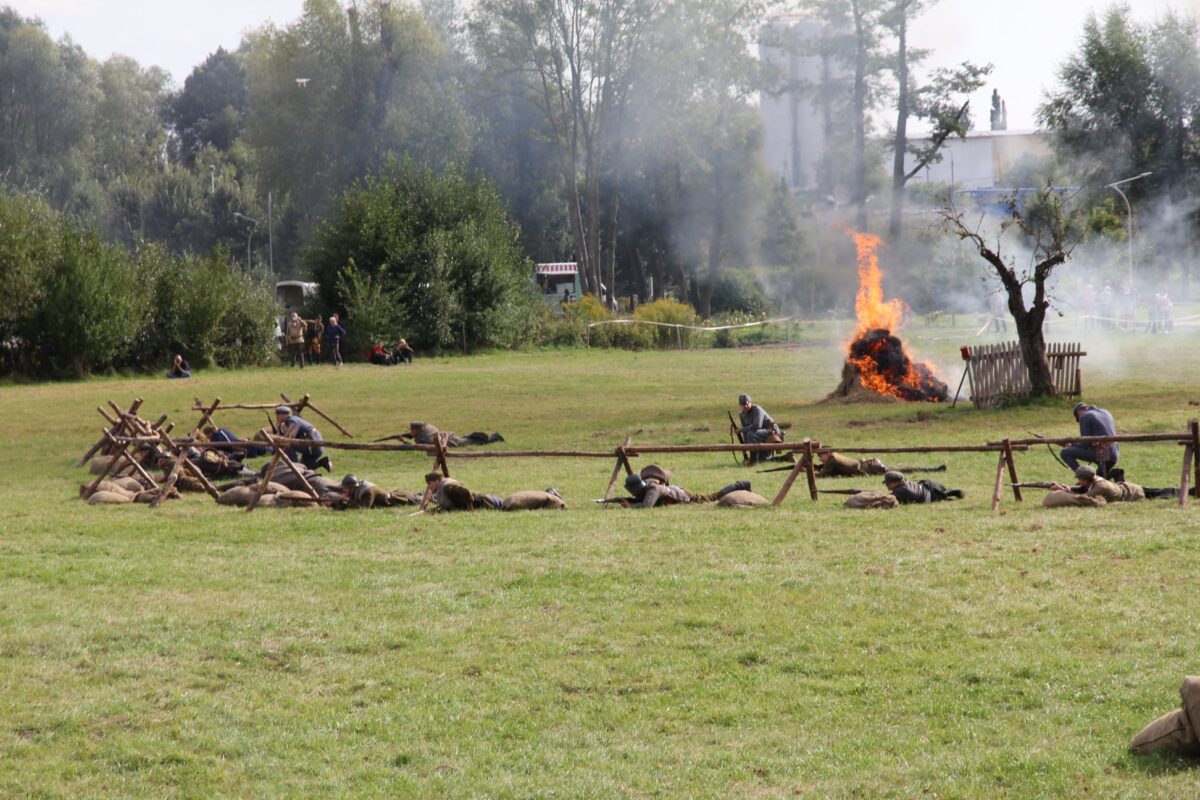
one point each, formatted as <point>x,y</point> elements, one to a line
<point>271,422</point>
<point>843,491</point>
<point>742,457</point>
<point>1034,485</point>
<point>623,501</point>
<point>397,436</point>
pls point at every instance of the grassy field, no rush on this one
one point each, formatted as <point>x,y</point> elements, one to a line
<point>805,651</point>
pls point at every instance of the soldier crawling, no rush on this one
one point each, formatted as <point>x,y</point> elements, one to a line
<point>424,433</point>
<point>836,465</point>
<point>653,488</point>
<point>923,491</point>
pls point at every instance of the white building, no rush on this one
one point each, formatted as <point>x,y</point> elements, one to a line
<point>984,159</point>
<point>793,125</point>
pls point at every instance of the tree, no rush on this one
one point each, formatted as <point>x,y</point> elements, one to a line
<point>937,102</point>
<point>439,248</point>
<point>210,108</point>
<point>579,60</point>
<point>1050,231</point>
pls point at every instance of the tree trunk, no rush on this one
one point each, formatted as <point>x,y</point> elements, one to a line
<point>900,142</point>
<point>860,111</point>
<point>1033,350</point>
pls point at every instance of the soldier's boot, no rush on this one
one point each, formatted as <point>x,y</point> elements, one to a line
<point>736,486</point>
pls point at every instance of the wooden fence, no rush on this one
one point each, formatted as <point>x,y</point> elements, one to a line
<point>997,370</point>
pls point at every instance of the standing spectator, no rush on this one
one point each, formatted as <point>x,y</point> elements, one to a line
<point>1088,307</point>
<point>1105,307</point>
<point>313,331</point>
<point>294,334</point>
<point>334,333</point>
<point>1127,312</point>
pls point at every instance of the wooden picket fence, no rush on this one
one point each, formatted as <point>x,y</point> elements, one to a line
<point>997,371</point>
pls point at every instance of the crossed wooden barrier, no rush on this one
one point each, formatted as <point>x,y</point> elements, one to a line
<point>129,429</point>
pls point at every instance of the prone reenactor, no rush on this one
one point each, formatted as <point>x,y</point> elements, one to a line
<point>652,488</point>
<point>836,465</point>
<point>450,495</point>
<point>1091,490</point>
<point>424,433</point>
<point>909,492</point>
<point>357,493</point>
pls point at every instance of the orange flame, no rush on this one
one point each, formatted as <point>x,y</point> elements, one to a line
<point>875,313</point>
<point>870,308</point>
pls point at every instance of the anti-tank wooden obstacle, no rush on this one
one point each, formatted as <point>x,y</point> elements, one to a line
<point>998,371</point>
<point>298,407</point>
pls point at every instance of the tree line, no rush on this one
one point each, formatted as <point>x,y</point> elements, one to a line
<point>623,135</point>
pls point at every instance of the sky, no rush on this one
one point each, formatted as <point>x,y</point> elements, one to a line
<point>1024,40</point>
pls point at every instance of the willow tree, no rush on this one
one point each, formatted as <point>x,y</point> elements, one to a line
<point>1036,235</point>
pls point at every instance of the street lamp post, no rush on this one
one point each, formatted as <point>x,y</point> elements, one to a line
<point>1116,187</point>
<point>254,226</point>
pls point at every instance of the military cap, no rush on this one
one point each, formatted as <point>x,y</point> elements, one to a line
<point>282,409</point>
<point>416,424</point>
<point>743,399</point>
<point>1085,473</point>
<point>1079,407</point>
<point>892,475</point>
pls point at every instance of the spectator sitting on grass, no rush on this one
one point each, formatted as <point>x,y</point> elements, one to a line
<point>179,368</point>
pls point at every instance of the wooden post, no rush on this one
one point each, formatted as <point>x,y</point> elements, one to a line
<point>270,473</point>
<point>133,461</point>
<point>1012,470</point>
<point>91,489</point>
<point>1188,455</point>
<point>622,461</point>
<point>795,473</point>
<point>189,466</point>
<point>1000,464</point>
<point>327,418</point>
<point>440,454</point>
<point>205,417</point>
<point>809,468</point>
<point>1194,429</point>
<point>119,430</point>
<point>173,475</point>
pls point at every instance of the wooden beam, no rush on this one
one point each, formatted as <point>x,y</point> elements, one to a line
<point>1012,471</point>
<point>1188,455</point>
<point>622,461</point>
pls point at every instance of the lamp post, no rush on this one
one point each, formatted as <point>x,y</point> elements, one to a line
<point>254,226</point>
<point>1116,187</point>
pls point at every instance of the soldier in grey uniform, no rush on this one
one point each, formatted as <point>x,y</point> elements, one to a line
<point>293,426</point>
<point>757,427</point>
<point>424,433</point>
<point>357,493</point>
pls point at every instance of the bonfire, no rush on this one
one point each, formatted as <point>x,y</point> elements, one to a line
<point>877,365</point>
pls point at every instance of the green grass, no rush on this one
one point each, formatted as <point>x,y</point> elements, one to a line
<point>806,651</point>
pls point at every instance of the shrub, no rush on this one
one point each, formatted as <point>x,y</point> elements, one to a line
<point>671,312</point>
<point>371,314</point>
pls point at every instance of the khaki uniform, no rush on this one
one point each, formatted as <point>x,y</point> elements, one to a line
<point>532,500</point>
<point>367,496</point>
<point>1116,492</point>
<point>840,466</point>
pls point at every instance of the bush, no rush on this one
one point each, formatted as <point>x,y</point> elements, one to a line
<point>371,314</point>
<point>439,249</point>
<point>671,312</point>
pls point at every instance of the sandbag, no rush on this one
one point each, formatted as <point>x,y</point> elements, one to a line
<point>742,499</point>
<point>130,484</point>
<point>236,496</point>
<point>150,495</point>
<point>531,500</point>
<point>1061,499</point>
<point>657,473</point>
<point>872,500</point>
<point>109,498</point>
<point>99,464</point>
<point>1172,732</point>
<point>105,486</point>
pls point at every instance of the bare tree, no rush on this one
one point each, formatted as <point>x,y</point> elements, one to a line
<point>1049,229</point>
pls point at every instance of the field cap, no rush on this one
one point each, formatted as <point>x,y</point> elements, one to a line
<point>282,409</point>
<point>892,475</point>
<point>743,399</point>
<point>416,424</point>
<point>1079,407</point>
<point>1085,473</point>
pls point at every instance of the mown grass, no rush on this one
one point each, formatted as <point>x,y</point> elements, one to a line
<point>807,651</point>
